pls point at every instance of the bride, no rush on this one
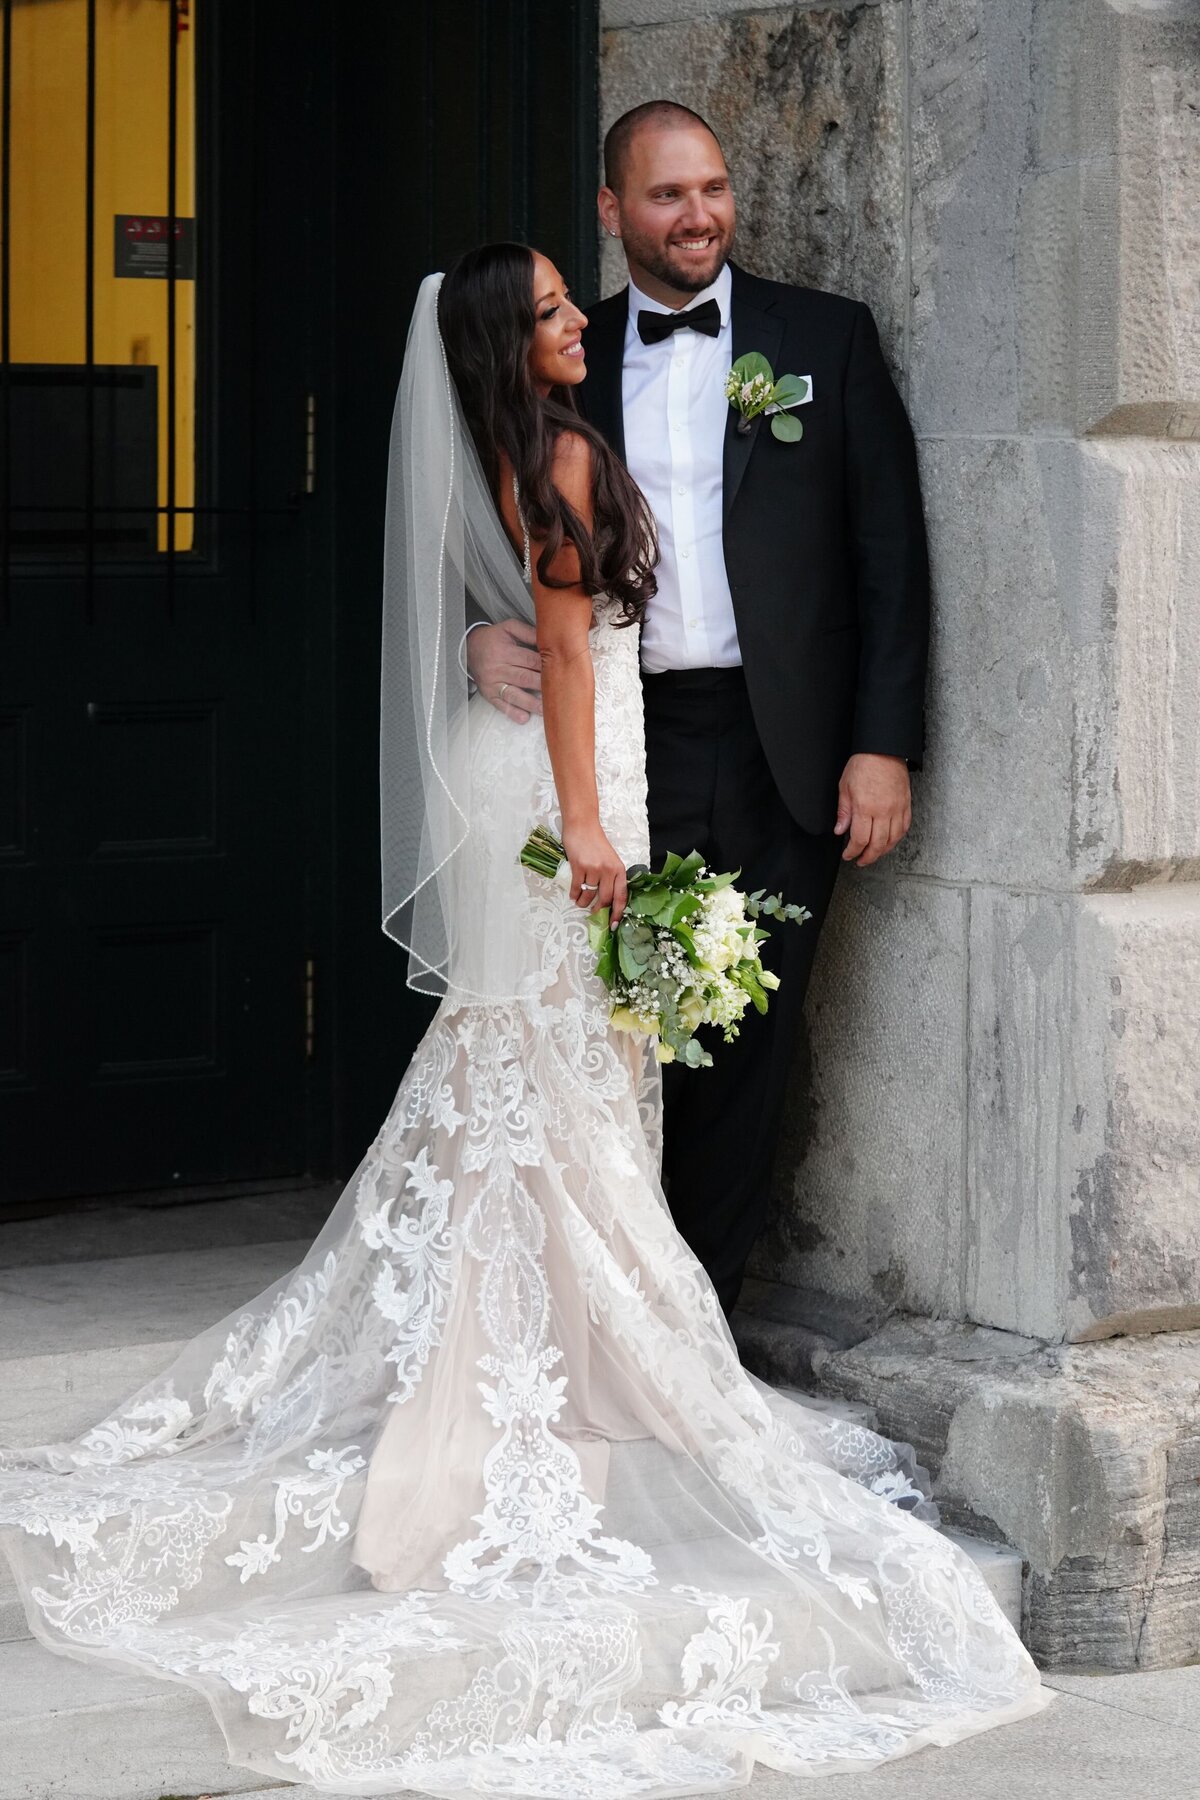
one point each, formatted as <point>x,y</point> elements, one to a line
<point>478,1499</point>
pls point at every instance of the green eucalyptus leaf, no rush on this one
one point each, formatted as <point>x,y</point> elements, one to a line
<point>787,429</point>
<point>688,869</point>
<point>752,364</point>
<point>682,907</point>
<point>631,965</point>
<point>791,390</point>
<point>714,883</point>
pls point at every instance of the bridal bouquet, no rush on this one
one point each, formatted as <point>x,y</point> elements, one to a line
<point>685,953</point>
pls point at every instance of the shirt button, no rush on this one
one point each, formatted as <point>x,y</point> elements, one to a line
<point>685,553</point>
<point>679,362</point>
<point>681,490</point>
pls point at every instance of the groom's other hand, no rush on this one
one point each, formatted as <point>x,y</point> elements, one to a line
<point>874,806</point>
<point>503,662</point>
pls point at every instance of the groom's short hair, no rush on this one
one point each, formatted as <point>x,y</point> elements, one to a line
<point>651,112</point>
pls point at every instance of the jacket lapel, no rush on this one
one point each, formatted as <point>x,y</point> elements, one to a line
<point>604,347</point>
<point>753,329</point>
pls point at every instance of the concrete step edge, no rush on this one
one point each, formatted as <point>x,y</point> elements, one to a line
<point>112,1736</point>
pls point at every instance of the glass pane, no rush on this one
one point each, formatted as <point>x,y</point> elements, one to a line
<point>131,403</point>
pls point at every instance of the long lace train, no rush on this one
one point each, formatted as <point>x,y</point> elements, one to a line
<point>479,1499</point>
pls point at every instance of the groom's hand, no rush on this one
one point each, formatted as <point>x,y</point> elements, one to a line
<point>874,806</point>
<point>504,664</point>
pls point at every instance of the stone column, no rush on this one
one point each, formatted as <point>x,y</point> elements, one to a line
<point>993,1160</point>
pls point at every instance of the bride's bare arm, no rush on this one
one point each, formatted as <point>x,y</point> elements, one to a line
<point>564,618</point>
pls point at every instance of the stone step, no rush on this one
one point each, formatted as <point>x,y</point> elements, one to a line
<point>1001,1567</point>
<point>72,1731</point>
<point>124,1320</point>
<point>122,1302</point>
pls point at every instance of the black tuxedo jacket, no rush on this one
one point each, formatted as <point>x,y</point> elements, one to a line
<point>824,539</point>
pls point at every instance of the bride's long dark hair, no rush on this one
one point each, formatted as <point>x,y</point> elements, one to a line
<point>486,317</point>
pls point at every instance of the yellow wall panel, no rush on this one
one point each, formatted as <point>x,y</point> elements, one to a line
<point>48,198</point>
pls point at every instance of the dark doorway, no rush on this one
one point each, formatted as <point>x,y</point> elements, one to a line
<point>193,984</point>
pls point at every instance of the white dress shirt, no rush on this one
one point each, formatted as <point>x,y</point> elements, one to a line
<point>673,395</point>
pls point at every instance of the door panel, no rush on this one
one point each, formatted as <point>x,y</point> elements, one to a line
<point>156,930</point>
<point>193,451</point>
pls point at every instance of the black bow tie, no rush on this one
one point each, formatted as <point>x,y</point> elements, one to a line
<point>653,327</point>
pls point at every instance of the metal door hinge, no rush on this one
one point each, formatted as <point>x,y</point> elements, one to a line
<point>310,444</point>
<point>310,985</point>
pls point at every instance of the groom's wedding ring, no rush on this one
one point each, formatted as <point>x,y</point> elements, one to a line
<point>589,887</point>
<point>503,690</point>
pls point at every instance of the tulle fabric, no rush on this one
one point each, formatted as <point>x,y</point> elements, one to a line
<point>478,1499</point>
<point>443,542</point>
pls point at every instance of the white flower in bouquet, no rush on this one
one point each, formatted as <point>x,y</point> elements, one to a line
<point>685,953</point>
<point>722,932</point>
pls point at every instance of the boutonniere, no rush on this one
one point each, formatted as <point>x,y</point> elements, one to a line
<point>751,389</point>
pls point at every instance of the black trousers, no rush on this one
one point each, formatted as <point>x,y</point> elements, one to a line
<point>711,790</point>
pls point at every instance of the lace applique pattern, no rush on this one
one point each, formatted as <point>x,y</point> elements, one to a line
<point>611,1566</point>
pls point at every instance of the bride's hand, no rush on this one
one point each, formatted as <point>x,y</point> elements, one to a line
<point>597,872</point>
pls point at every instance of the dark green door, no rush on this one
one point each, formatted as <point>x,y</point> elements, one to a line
<point>193,984</point>
<point>161,891</point>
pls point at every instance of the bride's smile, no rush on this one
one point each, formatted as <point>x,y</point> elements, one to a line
<point>556,354</point>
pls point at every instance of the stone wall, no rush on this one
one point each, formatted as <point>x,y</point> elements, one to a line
<point>996,1121</point>
<point>994,1135</point>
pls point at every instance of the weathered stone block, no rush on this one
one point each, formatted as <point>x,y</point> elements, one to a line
<point>1055,254</point>
<point>1083,1457</point>
<point>871,1163</point>
<point>1109,239</point>
<point>995,1117</point>
<point>673,12</point>
<point>969,108</point>
<point>1064,738</point>
<point>1083,1190</point>
<point>808,104</point>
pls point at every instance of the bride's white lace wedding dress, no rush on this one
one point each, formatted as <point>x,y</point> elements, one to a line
<point>479,1499</point>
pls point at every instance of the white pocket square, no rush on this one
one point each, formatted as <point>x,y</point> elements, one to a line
<point>793,404</point>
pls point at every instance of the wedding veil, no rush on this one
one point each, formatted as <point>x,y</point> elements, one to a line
<point>443,540</point>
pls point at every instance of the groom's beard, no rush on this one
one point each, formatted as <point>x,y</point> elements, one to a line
<point>685,276</point>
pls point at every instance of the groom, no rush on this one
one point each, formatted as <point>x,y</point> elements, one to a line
<point>783,656</point>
